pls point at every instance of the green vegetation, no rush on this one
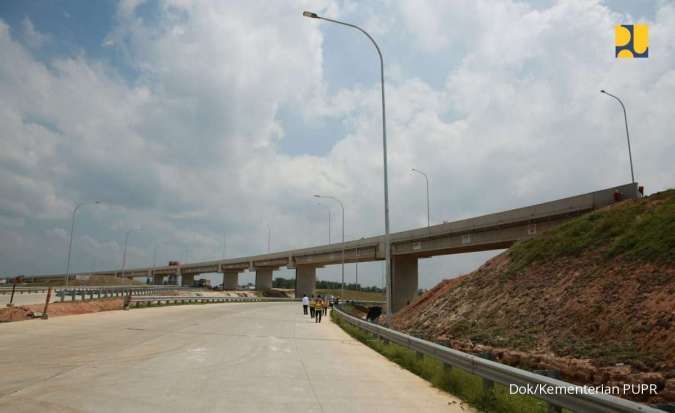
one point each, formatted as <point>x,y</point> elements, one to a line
<point>324,285</point>
<point>634,230</point>
<point>462,384</point>
<point>353,295</point>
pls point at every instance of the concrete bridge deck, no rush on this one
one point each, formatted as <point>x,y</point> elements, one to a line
<point>263,357</point>
<point>487,232</point>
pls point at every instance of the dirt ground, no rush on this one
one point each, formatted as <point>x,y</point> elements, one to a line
<point>25,312</point>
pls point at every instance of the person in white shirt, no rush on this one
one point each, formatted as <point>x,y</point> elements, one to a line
<point>305,304</point>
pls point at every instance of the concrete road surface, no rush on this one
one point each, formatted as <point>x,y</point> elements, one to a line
<point>243,357</point>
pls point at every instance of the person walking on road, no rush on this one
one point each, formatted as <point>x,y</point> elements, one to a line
<point>324,305</point>
<point>318,310</point>
<point>311,306</point>
<point>305,304</point>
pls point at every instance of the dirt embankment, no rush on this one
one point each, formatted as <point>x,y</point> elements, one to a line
<point>92,281</point>
<point>26,312</point>
<point>278,293</point>
<point>593,299</point>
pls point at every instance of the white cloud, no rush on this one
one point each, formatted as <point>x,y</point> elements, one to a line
<point>33,38</point>
<point>188,149</point>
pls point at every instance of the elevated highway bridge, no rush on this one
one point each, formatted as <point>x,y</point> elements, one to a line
<point>487,232</point>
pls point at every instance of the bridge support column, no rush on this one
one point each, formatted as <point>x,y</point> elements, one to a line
<point>305,280</point>
<point>157,279</point>
<point>404,281</point>
<point>263,278</point>
<point>231,279</point>
<point>187,280</point>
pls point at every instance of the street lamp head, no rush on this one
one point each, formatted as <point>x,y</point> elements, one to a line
<point>602,91</point>
<point>317,196</point>
<point>310,14</point>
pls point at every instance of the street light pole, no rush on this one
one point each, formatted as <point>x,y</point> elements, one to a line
<point>154,255</point>
<point>330,220</point>
<point>387,249</point>
<point>124,254</point>
<point>357,268</point>
<point>426,178</point>
<point>342,288</point>
<point>72,230</point>
<point>625,118</point>
<point>269,238</point>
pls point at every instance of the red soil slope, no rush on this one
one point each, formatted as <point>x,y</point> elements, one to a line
<point>594,299</point>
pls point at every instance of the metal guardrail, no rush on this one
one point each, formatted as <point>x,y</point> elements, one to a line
<point>23,290</point>
<point>365,302</point>
<point>173,299</point>
<point>573,399</point>
<point>106,292</point>
<point>35,290</point>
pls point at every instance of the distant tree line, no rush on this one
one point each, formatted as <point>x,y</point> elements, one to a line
<point>324,285</point>
<point>283,283</point>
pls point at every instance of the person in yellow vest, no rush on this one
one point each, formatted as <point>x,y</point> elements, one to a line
<point>312,306</point>
<point>318,309</point>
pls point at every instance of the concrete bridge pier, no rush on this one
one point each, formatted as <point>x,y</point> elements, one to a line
<point>263,278</point>
<point>404,280</point>
<point>187,280</point>
<point>305,280</point>
<point>231,279</point>
<point>157,279</point>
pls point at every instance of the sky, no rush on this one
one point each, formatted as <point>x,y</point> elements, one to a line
<point>202,123</point>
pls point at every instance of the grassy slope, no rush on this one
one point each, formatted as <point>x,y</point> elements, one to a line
<point>601,286</point>
<point>636,231</point>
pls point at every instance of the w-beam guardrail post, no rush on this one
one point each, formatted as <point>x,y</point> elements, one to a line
<point>488,385</point>
<point>554,409</point>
